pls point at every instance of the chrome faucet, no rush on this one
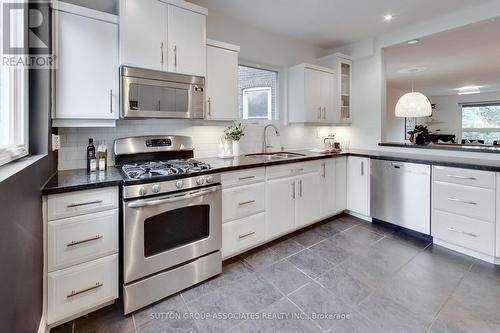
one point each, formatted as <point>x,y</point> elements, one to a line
<point>264,140</point>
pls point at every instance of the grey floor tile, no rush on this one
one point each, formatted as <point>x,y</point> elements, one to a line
<point>355,323</point>
<point>332,250</point>
<point>171,322</point>
<point>285,247</point>
<point>235,269</point>
<point>345,222</point>
<point>389,316</point>
<point>109,319</point>
<point>255,294</point>
<point>202,288</point>
<point>327,229</point>
<point>158,310</point>
<point>388,246</point>
<point>362,236</point>
<point>486,270</point>
<point>378,228</point>
<point>310,263</point>
<point>448,263</point>
<point>308,237</point>
<point>285,276</point>
<point>261,257</point>
<point>409,240</point>
<point>281,317</point>
<point>348,288</point>
<point>317,302</point>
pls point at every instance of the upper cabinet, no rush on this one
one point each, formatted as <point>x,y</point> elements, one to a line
<point>312,94</point>
<point>86,76</point>
<point>163,36</point>
<point>342,65</point>
<point>222,81</point>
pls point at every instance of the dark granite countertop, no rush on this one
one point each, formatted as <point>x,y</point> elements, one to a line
<point>452,147</point>
<point>74,180</point>
<point>81,179</point>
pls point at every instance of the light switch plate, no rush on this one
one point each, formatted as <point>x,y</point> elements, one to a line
<point>56,142</point>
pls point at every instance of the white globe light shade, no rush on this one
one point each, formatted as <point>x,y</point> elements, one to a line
<point>413,104</point>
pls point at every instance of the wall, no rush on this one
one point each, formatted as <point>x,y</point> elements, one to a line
<point>369,103</point>
<point>258,47</point>
<point>394,126</point>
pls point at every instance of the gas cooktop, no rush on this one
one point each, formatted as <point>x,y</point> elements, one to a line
<point>146,170</point>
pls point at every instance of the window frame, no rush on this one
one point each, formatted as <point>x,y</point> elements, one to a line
<point>280,92</point>
<point>17,88</point>
<point>462,129</point>
<point>268,91</point>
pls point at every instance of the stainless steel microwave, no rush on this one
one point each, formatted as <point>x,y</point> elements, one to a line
<point>153,94</point>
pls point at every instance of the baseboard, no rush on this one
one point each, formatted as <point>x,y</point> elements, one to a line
<point>359,216</point>
<point>463,250</point>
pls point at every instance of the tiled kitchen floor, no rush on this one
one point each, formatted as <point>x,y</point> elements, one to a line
<point>383,281</point>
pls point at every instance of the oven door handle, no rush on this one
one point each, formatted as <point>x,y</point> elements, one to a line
<point>172,198</point>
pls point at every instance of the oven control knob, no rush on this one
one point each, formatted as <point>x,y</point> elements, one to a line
<point>155,188</point>
<point>200,181</point>
<point>179,184</point>
<point>209,179</point>
<point>142,190</point>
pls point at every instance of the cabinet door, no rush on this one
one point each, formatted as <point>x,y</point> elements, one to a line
<point>313,109</point>
<point>186,36</point>
<point>344,89</point>
<point>328,175</point>
<point>280,206</point>
<point>328,97</point>
<point>308,203</point>
<point>358,185</point>
<point>143,34</point>
<point>222,84</point>
<point>340,183</point>
<point>87,73</point>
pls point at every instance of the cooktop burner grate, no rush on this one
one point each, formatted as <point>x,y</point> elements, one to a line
<point>163,168</point>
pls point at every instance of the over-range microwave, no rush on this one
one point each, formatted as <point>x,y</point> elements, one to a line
<point>154,94</point>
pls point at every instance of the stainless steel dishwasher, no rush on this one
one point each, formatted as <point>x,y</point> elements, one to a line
<point>401,194</point>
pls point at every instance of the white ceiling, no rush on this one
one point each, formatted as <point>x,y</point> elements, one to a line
<point>331,23</point>
<point>468,56</point>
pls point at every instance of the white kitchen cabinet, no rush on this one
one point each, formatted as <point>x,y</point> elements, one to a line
<point>280,206</point>
<point>222,81</point>
<point>328,188</point>
<point>341,183</point>
<point>308,199</point>
<point>86,77</point>
<point>358,185</point>
<point>162,36</point>
<point>245,233</point>
<point>143,34</point>
<point>312,94</point>
<point>497,224</point>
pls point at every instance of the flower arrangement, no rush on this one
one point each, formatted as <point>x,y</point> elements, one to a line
<point>419,134</point>
<point>234,132</point>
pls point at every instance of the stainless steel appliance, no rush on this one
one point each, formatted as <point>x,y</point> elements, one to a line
<point>172,212</point>
<point>401,194</point>
<point>153,94</point>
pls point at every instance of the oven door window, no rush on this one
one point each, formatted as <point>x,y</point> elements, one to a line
<point>143,97</point>
<point>175,228</point>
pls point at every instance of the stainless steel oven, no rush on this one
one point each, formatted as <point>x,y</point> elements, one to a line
<point>171,241</point>
<point>155,94</point>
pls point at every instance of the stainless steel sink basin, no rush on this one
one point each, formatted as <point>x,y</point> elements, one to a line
<point>279,155</point>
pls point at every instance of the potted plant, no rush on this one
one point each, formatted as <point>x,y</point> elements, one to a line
<point>234,133</point>
<point>419,134</point>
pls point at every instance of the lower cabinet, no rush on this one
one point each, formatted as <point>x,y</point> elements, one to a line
<point>243,234</point>
<point>308,199</point>
<point>280,206</point>
<point>358,185</point>
<point>328,195</point>
<point>341,183</point>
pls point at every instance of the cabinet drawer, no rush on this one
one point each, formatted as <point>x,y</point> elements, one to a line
<point>243,201</point>
<point>292,169</point>
<point>81,202</point>
<point>82,238</point>
<point>82,287</point>
<point>242,234</point>
<point>472,234</point>
<point>469,177</point>
<point>474,202</point>
<point>243,177</point>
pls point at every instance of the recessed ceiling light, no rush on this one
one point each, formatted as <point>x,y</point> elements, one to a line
<point>413,41</point>
<point>412,70</point>
<point>388,17</point>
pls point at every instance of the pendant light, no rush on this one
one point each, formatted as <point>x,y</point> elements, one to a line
<point>413,104</point>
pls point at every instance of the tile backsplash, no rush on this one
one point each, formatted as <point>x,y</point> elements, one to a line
<point>206,137</point>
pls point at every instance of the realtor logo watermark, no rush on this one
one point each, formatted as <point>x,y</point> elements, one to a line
<point>26,34</point>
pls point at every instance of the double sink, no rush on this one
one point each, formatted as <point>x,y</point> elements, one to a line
<point>276,156</point>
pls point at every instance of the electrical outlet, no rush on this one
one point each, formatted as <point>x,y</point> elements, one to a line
<point>56,142</point>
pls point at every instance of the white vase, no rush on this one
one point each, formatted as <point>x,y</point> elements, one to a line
<point>236,148</point>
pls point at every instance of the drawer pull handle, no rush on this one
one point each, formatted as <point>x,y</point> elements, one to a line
<point>74,293</point>
<point>463,201</point>
<point>73,243</point>
<point>73,205</point>
<point>463,232</point>
<point>246,178</point>
<point>246,235</point>
<point>462,177</point>
<point>246,203</point>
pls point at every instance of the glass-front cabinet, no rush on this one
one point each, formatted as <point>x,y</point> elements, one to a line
<point>344,70</point>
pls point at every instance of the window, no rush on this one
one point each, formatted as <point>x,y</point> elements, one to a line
<point>14,100</point>
<point>481,122</point>
<point>257,93</point>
